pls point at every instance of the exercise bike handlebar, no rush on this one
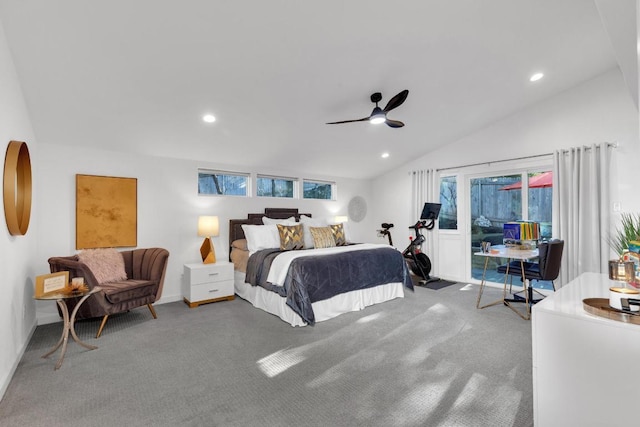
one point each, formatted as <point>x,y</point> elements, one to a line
<point>418,225</point>
<point>423,224</point>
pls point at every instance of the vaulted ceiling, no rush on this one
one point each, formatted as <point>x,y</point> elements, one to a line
<point>139,75</point>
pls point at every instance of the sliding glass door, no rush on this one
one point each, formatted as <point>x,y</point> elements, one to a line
<point>495,200</point>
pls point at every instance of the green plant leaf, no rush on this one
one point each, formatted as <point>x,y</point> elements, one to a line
<point>628,230</point>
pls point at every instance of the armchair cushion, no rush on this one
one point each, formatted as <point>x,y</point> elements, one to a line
<point>107,265</point>
<point>118,292</point>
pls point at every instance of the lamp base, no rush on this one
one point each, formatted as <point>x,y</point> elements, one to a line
<point>208,252</point>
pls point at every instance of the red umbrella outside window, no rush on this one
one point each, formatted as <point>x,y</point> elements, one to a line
<point>539,181</point>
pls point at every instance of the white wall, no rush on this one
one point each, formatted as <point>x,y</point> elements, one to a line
<point>596,111</point>
<point>168,207</point>
<point>17,309</point>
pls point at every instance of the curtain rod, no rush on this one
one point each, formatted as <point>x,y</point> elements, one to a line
<point>609,145</point>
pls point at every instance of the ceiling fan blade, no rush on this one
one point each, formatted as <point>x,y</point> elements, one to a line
<point>394,123</point>
<point>349,121</point>
<point>396,101</point>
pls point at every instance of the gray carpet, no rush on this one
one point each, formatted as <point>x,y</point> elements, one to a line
<point>430,359</point>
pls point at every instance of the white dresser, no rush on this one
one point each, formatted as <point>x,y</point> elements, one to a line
<point>585,367</point>
<point>204,283</point>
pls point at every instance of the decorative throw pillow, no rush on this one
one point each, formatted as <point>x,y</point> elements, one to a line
<point>107,264</point>
<point>308,222</point>
<point>322,237</point>
<point>338,234</point>
<point>290,237</point>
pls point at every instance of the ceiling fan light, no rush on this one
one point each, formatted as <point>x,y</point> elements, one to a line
<point>377,116</point>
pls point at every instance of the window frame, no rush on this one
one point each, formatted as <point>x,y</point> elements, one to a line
<point>334,189</point>
<point>245,175</point>
<point>294,181</point>
<point>456,179</point>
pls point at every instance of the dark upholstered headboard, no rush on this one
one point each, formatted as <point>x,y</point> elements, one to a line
<point>235,225</point>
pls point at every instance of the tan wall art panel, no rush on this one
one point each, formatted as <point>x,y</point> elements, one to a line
<point>106,212</point>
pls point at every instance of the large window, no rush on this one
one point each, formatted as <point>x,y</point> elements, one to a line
<point>499,199</point>
<point>318,190</point>
<point>448,218</point>
<point>273,186</point>
<point>223,183</point>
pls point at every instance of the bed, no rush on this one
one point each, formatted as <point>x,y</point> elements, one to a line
<point>306,286</point>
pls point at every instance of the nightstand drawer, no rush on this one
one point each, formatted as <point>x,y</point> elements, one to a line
<point>209,291</point>
<point>211,273</point>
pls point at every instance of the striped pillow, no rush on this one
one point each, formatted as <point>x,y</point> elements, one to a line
<point>322,237</point>
<point>291,237</point>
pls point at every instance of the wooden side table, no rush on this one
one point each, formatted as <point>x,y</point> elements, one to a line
<point>69,321</point>
<point>205,283</point>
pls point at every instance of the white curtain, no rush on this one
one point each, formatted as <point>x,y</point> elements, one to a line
<point>581,208</point>
<point>425,188</point>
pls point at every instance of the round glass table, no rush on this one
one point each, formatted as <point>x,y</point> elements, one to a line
<point>69,321</point>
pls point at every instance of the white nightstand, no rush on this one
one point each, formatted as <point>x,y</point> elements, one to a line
<point>204,283</point>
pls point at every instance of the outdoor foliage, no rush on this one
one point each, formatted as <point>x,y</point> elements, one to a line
<point>316,190</point>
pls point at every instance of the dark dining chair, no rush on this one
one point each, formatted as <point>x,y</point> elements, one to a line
<point>547,268</point>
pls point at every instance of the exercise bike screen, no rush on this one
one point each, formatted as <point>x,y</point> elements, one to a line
<point>430,211</point>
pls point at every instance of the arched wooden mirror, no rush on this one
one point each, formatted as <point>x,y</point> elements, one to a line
<point>17,188</point>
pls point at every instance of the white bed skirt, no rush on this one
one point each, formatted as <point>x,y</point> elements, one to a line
<point>323,310</point>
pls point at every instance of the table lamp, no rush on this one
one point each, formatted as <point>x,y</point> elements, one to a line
<point>208,226</point>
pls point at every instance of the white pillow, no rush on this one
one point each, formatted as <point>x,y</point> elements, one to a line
<point>308,222</point>
<point>269,221</point>
<point>261,237</point>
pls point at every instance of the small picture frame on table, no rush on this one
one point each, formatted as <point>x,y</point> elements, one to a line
<point>51,283</point>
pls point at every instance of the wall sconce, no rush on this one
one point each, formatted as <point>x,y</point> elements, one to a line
<point>208,226</point>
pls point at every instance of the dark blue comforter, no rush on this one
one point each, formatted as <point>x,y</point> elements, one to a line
<point>319,277</point>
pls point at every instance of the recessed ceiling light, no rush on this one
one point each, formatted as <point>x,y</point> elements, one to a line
<point>385,155</point>
<point>536,77</point>
<point>209,118</point>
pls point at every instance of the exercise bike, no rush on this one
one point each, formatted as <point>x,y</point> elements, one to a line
<point>385,232</point>
<point>418,261</point>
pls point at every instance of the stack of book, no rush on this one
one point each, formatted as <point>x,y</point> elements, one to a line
<point>521,234</point>
<point>633,254</point>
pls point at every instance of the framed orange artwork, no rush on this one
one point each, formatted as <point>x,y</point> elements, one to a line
<point>106,212</point>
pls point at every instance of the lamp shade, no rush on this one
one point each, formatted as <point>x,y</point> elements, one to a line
<point>341,218</point>
<point>208,226</point>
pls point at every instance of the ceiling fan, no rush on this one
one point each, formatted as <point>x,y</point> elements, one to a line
<point>379,115</point>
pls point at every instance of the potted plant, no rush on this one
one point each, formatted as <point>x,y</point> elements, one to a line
<point>629,230</point>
